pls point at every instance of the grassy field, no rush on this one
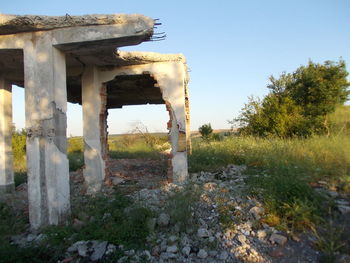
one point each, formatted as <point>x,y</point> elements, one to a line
<point>281,172</point>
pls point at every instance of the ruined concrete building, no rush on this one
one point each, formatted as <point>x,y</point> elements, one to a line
<point>75,59</point>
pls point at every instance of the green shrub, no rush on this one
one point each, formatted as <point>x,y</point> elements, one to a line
<point>76,160</point>
<point>206,131</point>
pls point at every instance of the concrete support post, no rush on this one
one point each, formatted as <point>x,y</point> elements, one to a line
<point>6,156</point>
<point>172,79</point>
<point>93,110</point>
<point>46,123</point>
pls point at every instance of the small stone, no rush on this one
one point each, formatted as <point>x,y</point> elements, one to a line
<point>155,251</point>
<point>194,249</point>
<point>186,250</point>
<point>279,239</point>
<point>146,254</point>
<point>342,202</point>
<point>257,211</point>
<point>172,249</point>
<point>117,180</point>
<point>242,239</point>
<point>276,253</point>
<point>74,247</point>
<point>261,234</point>
<point>223,255</point>
<point>130,252</point>
<point>332,194</point>
<point>163,219</point>
<point>31,237</point>
<point>172,239</point>
<point>185,240</point>
<point>344,209</point>
<point>82,249</point>
<point>212,253</point>
<point>167,255</point>
<point>202,233</point>
<point>202,254</point>
<point>99,251</point>
<point>111,249</point>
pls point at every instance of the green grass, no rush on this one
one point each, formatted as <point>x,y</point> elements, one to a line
<point>117,220</point>
<point>317,158</point>
<point>180,206</point>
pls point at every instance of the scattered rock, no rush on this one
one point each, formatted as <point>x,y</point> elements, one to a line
<point>223,255</point>
<point>130,252</point>
<point>172,239</point>
<point>117,180</point>
<point>163,219</point>
<point>167,255</point>
<point>202,233</point>
<point>172,249</point>
<point>99,250</point>
<point>277,252</point>
<point>332,194</point>
<point>261,234</point>
<point>278,239</point>
<point>186,250</point>
<point>242,239</point>
<point>155,251</point>
<point>344,209</point>
<point>257,211</point>
<point>212,253</point>
<point>202,254</point>
<point>111,249</point>
<point>82,249</point>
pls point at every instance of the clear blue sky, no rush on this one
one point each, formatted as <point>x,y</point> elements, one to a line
<point>231,47</point>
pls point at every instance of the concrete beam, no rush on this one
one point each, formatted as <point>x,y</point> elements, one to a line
<point>46,122</point>
<point>93,106</point>
<point>6,156</point>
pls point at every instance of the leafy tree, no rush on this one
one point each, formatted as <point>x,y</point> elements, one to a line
<point>18,144</point>
<point>298,103</point>
<point>206,131</point>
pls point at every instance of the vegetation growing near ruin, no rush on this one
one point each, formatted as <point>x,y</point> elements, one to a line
<point>298,103</point>
<point>179,206</point>
<point>118,220</point>
<point>206,131</point>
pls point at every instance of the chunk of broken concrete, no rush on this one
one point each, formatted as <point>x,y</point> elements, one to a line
<point>278,239</point>
<point>257,211</point>
<point>163,219</point>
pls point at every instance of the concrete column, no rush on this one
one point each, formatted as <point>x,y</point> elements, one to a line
<point>172,79</point>
<point>6,157</point>
<point>93,110</point>
<point>46,123</point>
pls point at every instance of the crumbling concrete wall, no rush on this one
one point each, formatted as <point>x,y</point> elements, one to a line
<point>171,77</point>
